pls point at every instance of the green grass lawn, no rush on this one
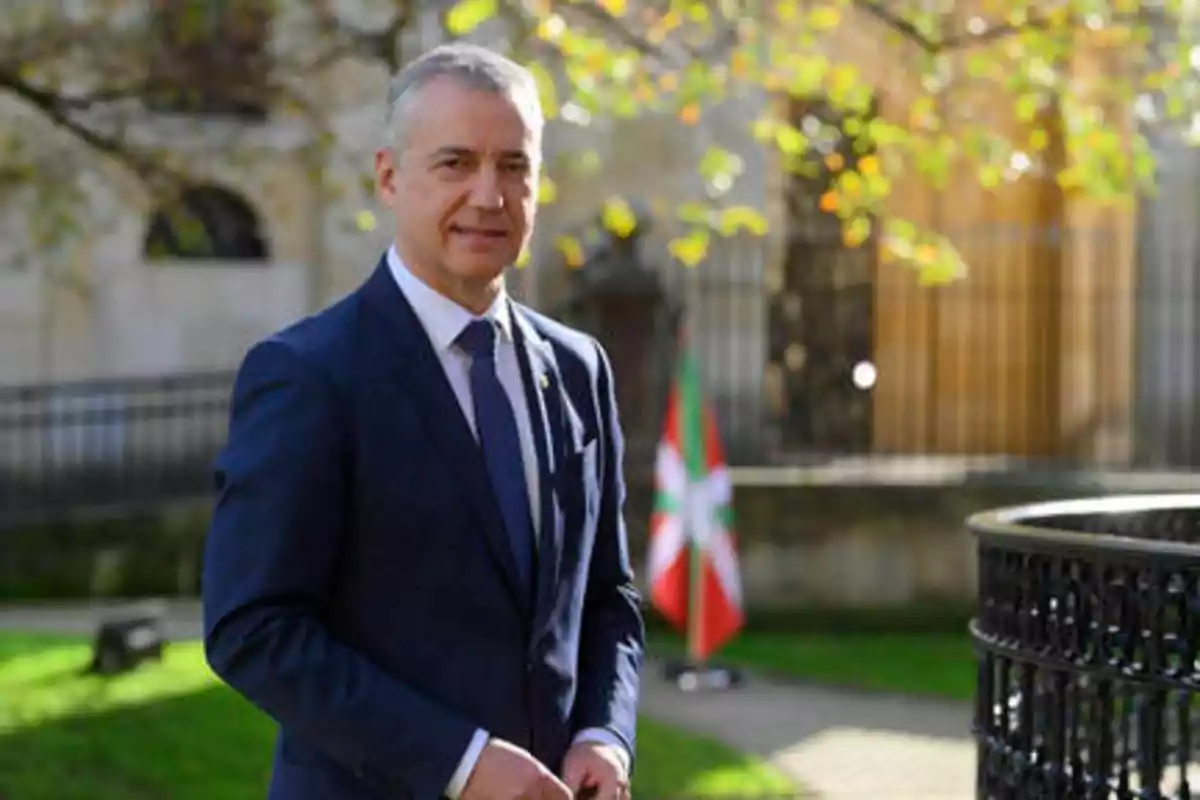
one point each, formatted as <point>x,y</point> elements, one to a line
<point>939,664</point>
<point>172,730</point>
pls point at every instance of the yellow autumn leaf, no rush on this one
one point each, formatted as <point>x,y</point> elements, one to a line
<point>466,15</point>
<point>742,217</point>
<point>739,64</point>
<point>596,61</point>
<point>571,249</point>
<point>856,232</point>
<point>878,185</point>
<point>824,18</point>
<point>551,28</point>
<point>945,268</point>
<point>1070,178</point>
<point>691,249</point>
<point>851,185</point>
<point>619,217</point>
<point>843,77</point>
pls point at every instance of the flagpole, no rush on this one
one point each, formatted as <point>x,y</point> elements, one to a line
<point>695,596</point>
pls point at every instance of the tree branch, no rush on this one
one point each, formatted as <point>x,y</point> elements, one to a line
<point>381,45</point>
<point>912,33</point>
<point>1149,17</point>
<point>607,22</point>
<point>49,104</point>
<point>898,23</point>
<point>155,175</point>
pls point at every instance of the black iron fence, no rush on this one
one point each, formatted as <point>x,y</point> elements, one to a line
<point>108,444</point>
<point>1088,629</point>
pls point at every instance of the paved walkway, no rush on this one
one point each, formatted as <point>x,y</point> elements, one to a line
<point>843,746</point>
<point>181,618</point>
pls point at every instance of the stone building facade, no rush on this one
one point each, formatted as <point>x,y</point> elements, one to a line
<point>808,348</point>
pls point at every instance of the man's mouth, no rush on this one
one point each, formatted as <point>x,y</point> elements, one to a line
<point>491,233</point>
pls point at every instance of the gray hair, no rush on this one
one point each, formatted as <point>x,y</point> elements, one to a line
<point>474,67</point>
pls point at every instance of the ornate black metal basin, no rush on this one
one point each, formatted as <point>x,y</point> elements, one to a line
<point>1087,629</point>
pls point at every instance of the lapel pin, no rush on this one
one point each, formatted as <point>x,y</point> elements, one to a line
<point>544,380</point>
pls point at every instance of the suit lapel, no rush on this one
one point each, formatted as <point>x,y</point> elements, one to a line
<point>422,375</point>
<point>559,433</point>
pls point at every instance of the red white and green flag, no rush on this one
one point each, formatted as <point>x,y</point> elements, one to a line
<point>693,566</point>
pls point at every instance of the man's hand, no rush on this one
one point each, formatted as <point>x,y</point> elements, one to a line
<point>506,772</point>
<point>597,767</point>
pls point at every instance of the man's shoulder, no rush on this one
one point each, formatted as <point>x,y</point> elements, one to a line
<point>318,340</point>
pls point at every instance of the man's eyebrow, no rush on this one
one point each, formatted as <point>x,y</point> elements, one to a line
<point>452,151</point>
<point>455,151</point>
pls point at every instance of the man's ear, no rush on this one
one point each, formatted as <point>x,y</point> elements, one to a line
<point>385,175</point>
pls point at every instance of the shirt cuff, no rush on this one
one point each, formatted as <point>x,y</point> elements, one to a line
<point>458,781</point>
<point>602,736</point>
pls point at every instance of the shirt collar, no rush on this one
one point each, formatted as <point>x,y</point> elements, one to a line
<point>442,318</point>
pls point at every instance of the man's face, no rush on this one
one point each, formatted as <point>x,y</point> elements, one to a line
<point>463,189</point>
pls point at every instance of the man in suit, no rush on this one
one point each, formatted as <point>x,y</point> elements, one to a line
<point>417,563</point>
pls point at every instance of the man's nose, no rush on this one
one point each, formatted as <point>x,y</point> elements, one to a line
<point>485,191</point>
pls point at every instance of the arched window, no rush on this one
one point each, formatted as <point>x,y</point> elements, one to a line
<point>205,223</point>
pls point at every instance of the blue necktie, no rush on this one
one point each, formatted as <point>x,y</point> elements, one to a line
<point>497,427</point>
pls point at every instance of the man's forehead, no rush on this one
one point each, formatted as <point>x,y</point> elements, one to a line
<point>450,109</point>
<point>452,98</point>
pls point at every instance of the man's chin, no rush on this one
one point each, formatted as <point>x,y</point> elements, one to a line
<point>480,268</point>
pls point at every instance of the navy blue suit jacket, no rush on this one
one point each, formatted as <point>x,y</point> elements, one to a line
<point>358,585</point>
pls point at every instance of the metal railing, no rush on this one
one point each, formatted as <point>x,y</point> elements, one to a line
<point>108,444</point>
<point>1087,630</point>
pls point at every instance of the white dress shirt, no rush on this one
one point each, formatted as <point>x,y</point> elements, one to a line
<point>443,320</point>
